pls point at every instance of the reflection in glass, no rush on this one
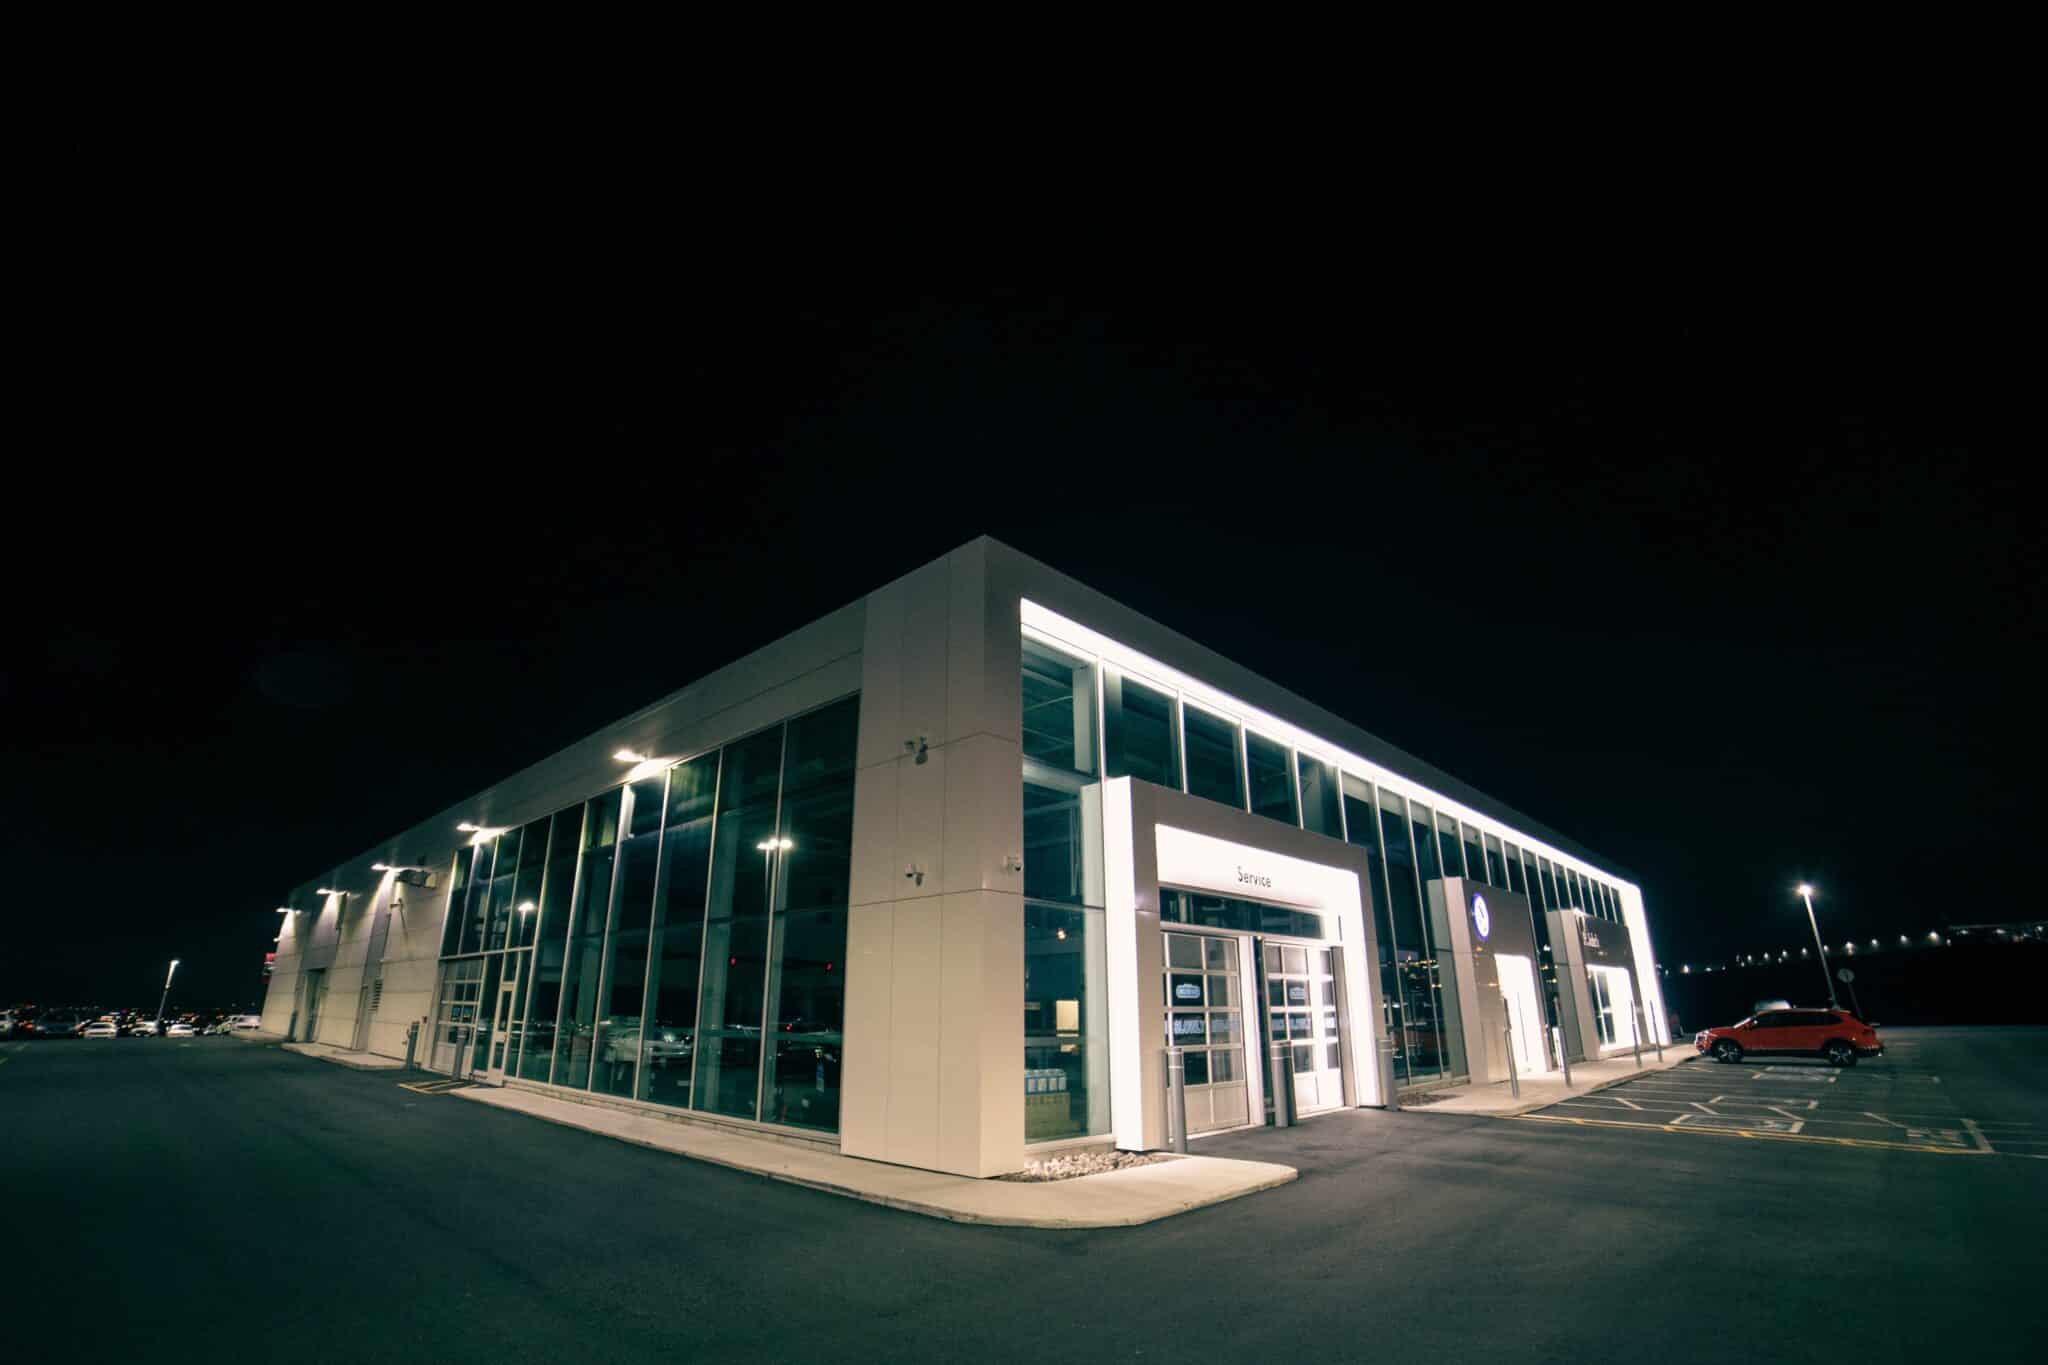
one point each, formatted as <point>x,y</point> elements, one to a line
<point>582,968</point>
<point>1213,768</point>
<point>1059,709</point>
<point>1053,847</point>
<point>668,1045</point>
<point>565,838</point>
<point>1271,778</point>
<point>616,1034</point>
<point>1139,735</point>
<point>1319,797</point>
<point>1066,1060</point>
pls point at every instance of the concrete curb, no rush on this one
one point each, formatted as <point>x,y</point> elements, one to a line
<point>931,1208</point>
<point>354,1061</point>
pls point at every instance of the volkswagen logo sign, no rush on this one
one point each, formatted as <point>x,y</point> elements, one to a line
<point>1481,920</point>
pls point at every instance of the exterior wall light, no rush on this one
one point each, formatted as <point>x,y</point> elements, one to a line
<point>629,756</point>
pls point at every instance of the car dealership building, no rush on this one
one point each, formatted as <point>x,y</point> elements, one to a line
<point>937,880</point>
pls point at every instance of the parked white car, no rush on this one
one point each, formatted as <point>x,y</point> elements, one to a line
<point>245,1023</point>
<point>181,1030</point>
<point>102,1028</point>
<point>143,1028</point>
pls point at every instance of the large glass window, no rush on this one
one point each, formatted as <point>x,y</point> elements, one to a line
<point>1059,709</point>
<point>746,848</point>
<point>1272,778</point>
<point>1320,797</point>
<point>1140,732</point>
<point>1452,857</point>
<point>1432,994</point>
<point>1066,1069</point>
<point>1550,893</point>
<point>557,893</point>
<point>477,900</point>
<point>1362,826</point>
<point>1214,768</point>
<point>582,969</point>
<point>1475,861</point>
<point>1496,866</point>
<point>1053,844</point>
<point>533,857</point>
<point>806,992</point>
<point>615,1037</point>
<point>1245,917</point>
<point>458,902</point>
<point>1514,861</point>
<point>1410,864</point>
<point>668,1045</point>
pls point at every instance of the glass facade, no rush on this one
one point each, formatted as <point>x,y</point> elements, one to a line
<point>1140,732</point>
<point>1066,1034</point>
<point>688,929</point>
<point>1271,777</point>
<point>1215,769</point>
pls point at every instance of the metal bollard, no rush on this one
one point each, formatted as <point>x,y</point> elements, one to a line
<point>1564,1059</point>
<point>1637,1039</point>
<point>1389,1097</point>
<point>1177,1098</point>
<point>412,1037</point>
<point>1507,1034</point>
<point>1280,1084</point>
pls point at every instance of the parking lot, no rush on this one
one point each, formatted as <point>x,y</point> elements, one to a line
<point>1899,1101</point>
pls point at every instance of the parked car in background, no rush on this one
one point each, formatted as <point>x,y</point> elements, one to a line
<point>144,1028</point>
<point>181,1029</point>
<point>102,1028</point>
<point>1834,1034</point>
<point>59,1026</point>
<point>243,1023</point>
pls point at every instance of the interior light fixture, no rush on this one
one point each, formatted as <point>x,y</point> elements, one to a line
<point>527,907</point>
<point>776,845</point>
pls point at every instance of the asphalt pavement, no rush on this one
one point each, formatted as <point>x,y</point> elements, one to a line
<point>216,1200</point>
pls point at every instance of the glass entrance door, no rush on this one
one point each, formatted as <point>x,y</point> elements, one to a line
<point>503,1035</point>
<point>1301,1007</point>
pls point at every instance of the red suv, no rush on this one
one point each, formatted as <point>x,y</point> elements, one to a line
<point>1836,1035</point>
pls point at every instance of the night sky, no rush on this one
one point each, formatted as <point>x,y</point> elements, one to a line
<point>1736,586</point>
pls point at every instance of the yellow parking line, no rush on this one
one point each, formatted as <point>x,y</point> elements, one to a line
<point>1750,1133</point>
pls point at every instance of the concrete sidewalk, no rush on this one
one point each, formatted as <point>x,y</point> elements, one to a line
<point>1127,1198</point>
<point>359,1061</point>
<point>1496,1101</point>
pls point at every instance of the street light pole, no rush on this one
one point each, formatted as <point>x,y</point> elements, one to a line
<point>1806,894</point>
<point>165,997</point>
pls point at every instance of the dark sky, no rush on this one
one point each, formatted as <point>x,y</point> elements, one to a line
<point>1737,584</point>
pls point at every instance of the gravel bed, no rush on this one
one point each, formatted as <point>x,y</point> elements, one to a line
<point>1085,1163</point>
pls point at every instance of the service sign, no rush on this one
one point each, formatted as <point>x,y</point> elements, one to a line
<point>1187,990</point>
<point>1482,919</point>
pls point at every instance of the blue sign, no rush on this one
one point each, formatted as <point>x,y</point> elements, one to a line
<point>1481,920</point>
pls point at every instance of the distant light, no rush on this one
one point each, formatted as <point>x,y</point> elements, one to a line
<point>629,756</point>
<point>526,907</point>
<point>469,827</point>
<point>285,910</point>
<point>1802,889</point>
<point>328,891</point>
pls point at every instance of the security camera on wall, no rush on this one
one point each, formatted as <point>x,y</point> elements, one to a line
<point>419,877</point>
